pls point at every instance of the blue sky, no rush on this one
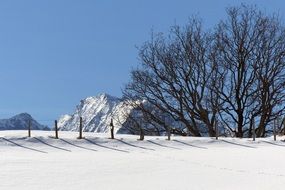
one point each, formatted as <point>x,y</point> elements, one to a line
<point>53,53</point>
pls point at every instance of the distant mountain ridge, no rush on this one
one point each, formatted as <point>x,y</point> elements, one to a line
<point>21,122</point>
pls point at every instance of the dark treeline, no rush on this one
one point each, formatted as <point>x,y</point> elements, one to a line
<point>231,76</point>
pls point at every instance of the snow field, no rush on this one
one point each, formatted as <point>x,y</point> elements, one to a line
<point>96,162</point>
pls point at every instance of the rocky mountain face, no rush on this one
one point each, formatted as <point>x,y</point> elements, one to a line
<point>21,122</point>
<point>96,113</point>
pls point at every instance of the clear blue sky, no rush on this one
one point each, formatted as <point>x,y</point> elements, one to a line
<point>53,53</point>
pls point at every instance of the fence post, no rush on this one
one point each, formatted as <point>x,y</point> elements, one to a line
<point>274,129</point>
<point>56,129</point>
<point>217,130</point>
<point>80,128</point>
<point>112,129</point>
<point>284,126</point>
<point>168,133</point>
<point>29,128</point>
<point>141,134</point>
<point>253,130</point>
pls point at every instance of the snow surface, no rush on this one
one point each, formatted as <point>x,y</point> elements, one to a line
<point>97,162</point>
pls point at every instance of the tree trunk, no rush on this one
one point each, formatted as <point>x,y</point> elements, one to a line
<point>240,126</point>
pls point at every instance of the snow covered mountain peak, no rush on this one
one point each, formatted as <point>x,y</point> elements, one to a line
<point>100,99</point>
<point>105,96</point>
<point>22,116</point>
<point>96,111</point>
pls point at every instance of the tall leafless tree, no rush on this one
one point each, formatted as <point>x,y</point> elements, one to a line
<point>251,58</point>
<point>175,78</point>
<point>270,73</point>
<point>235,74</point>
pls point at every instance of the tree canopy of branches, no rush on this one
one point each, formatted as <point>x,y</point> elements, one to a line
<point>232,75</point>
<point>251,47</point>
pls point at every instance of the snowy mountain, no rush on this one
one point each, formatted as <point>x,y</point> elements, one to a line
<point>96,113</point>
<point>21,122</point>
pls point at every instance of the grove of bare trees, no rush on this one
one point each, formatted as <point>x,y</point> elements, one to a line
<point>232,76</point>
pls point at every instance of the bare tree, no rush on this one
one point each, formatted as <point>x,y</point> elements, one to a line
<point>251,58</point>
<point>234,75</point>
<point>270,73</point>
<point>175,78</point>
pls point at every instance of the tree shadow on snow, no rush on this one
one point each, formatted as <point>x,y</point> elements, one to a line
<point>247,146</point>
<point>187,144</point>
<point>272,143</point>
<point>22,146</point>
<point>45,143</point>
<point>94,143</point>
<point>161,145</point>
<point>78,146</point>
<point>132,145</point>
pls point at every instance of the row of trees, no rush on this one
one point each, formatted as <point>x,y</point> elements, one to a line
<point>232,76</point>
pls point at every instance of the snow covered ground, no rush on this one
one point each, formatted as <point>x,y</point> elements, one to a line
<point>96,162</point>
